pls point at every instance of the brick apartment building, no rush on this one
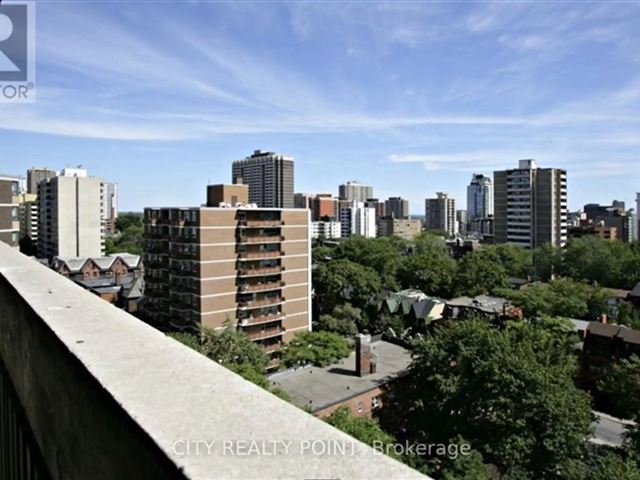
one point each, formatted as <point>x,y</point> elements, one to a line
<point>229,263</point>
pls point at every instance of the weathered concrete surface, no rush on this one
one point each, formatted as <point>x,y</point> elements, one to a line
<point>109,397</point>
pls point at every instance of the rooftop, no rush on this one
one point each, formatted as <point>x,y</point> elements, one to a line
<point>484,303</point>
<point>322,387</point>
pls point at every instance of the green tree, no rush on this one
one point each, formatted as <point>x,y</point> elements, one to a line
<point>622,386</point>
<point>561,297</point>
<point>230,348</point>
<point>342,280</point>
<point>517,261</point>
<point>383,254</point>
<point>509,392</point>
<point>126,220</point>
<point>432,273</point>
<point>365,429</point>
<point>479,272</point>
<point>316,348</point>
<point>233,350</point>
<point>344,320</point>
<point>546,261</point>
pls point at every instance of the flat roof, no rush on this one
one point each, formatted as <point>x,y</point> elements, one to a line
<point>319,388</point>
<point>270,209</point>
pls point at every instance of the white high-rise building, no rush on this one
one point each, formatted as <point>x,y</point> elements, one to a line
<point>357,219</point>
<point>479,197</point>
<point>355,192</point>
<point>530,205</point>
<point>70,217</point>
<point>440,214</point>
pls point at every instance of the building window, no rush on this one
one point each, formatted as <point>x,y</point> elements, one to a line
<point>14,188</point>
<point>375,402</point>
<point>14,237</point>
<point>360,407</point>
<point>14,213</point>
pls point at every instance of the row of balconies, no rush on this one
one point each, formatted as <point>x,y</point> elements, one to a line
<point>259,303</point>
<point>250,271</point>
<point>267,333</point>
<point>242,223</point>
<point>259,255</point>
<point>259,319</point>
<point>252,239</point>
<point>260,287</point>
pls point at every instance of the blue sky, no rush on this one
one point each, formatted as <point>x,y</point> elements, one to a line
<point>409,97</point>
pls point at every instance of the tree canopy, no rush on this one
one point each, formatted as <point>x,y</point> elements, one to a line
<point>315,348</point>
<point>509,392</point>
<point>561,297</point>
<point>622,386</point>
<point>365,429</point>
<point>344,320</point>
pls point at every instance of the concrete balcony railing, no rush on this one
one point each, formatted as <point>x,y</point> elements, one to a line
<point>266,333</point>
<point>259,319</point>
<point>259,255</point>
<point>260,239</point>
<point>260,223</point>
<point>254,272</point>
<point>262,302</point>
<point>89,392</point>
<point>260,287</point>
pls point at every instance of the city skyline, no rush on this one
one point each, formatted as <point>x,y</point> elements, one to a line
<point>384,94</point>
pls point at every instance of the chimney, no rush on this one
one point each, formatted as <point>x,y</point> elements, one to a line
<point>363,355</point>
<point>603,318</point>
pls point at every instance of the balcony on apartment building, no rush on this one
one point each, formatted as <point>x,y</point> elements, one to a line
<point>258,270</point>
<point>264,333</point>
<point>259,254</point>
<point>261,318</point>
<point>261,238</point>
<point>89,391</point>
<point>247,287</point>
<point>260,302</point>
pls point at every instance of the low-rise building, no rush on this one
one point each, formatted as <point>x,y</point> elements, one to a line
<point>404,228</point>
<point>417,308</point>
<point>594,230</point>
<point>495,309</point>
<point>117,278</point>
<point>605,344</point>
<point>359,382</point>
<point>328,229</point>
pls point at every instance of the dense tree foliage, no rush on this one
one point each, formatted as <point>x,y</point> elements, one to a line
<point>344,319</point>
<point>315,348</point>
<point>622,386</point>
<point>339,281</point>
<point>509,392</point>
<point>128,237</point>
<point>232,349</point>
<point>561,297</point>
<point>610,264</point>
<point>433,273</point>
<point>367,430</point>
<point>383,254</point>
<point>481,272</point>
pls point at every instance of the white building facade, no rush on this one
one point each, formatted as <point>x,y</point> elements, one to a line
<point>357,219</point>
